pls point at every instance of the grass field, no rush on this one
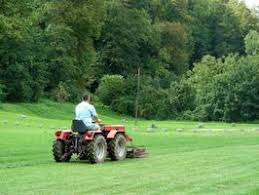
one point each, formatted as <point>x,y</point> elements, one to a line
<point>185,162</point>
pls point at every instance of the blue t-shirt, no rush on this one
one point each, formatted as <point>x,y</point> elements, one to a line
<point>85,112</point>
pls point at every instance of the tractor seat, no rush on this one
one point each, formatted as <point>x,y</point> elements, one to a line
<point>78,126</point>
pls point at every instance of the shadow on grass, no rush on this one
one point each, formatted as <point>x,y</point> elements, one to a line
<point>107,161</point>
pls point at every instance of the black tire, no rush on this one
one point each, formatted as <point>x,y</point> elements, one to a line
<point>82,147</point>
<point>97,149</point>
<point>83,155</point>
<point>59,152</point>
<point>118,147</point>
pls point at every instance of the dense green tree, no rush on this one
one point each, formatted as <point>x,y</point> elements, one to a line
<point>71,27</point>
<point>219,27</point>
<point>181,97</point>
<point>64,48</point>
<point>174,46</point>
<point>128,39</point>
<point>227,89</point>
<point>242,93</point>
<point>205,75</point>
<point>252,43</point>
<point>20,69</point>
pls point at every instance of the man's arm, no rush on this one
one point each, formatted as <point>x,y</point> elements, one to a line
<point>95,115</point>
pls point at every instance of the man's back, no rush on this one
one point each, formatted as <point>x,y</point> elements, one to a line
<point>85,112</point>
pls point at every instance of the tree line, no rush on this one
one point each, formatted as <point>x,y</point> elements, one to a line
<point>199,59</point>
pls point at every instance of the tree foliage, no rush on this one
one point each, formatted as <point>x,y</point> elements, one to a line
<point>190,53</point>
<point>227,88</point>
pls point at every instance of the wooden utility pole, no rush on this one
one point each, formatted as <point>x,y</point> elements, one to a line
<point>137,98</point>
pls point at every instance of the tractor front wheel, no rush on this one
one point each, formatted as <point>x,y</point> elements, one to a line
<point>97,149</point>
<point>118,148</point>
<point>59,151</point>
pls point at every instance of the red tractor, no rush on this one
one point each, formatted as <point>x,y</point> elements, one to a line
<point>95,146</point>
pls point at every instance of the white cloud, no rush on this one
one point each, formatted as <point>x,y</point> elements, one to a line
<point>252,3</point>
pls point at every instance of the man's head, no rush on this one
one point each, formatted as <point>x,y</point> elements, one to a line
<point>86,98</point>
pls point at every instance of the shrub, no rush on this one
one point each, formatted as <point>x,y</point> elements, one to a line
<point>67,91</point>
<point>181,97</point>
<point>60,93</point>
<point>227,89</point>
<point>111,88</point>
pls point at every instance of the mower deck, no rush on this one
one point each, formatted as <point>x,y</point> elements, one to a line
<point>136,152</point>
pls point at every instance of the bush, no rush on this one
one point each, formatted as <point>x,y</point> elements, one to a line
<point>151,104</point>
<point>155,102</point>
<point>124,104</point>
<point>67,91</point>
<point>241,90</point>
<point>111,88</point>
<point>227,89</point>
<point>60,93</point>
<point>181,97</point>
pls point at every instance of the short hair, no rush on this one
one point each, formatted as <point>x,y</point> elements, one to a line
<point>86,97</point>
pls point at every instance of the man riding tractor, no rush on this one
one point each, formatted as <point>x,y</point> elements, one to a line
<point>90,141</point>
<point>86,112</point>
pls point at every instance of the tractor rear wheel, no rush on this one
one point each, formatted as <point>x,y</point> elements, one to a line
<point>59,151</point>
<point>118,148</point>
<point>97,149</point>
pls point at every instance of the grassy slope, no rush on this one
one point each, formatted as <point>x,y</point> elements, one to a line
<point>179,163</point>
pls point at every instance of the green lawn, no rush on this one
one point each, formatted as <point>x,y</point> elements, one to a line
<point>187,162</point>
